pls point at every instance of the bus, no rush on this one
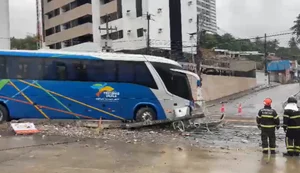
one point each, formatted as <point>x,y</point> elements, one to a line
<point>72,85</point>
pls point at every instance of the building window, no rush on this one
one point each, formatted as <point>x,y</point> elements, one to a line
<point>109,17</point>
<point>140,32</point>
<point>139,8</point>
<point>57,29</point>
<point>49,31</point>
<point>113,36</point>
<point>58,46</point>
<point>120,33</point>
<point>56,12</point>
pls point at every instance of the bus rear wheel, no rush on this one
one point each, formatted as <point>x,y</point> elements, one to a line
<point>3,114</point>
<point>145,114</point>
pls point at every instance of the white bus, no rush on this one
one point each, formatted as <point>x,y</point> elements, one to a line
<point>73,85</point>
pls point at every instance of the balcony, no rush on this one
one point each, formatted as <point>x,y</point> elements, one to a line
<point>50,6</point>
<point>108,8</point>
<point>80,11</point>
<point>68,34</point>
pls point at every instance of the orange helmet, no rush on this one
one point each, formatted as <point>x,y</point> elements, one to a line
<point>267,102</point>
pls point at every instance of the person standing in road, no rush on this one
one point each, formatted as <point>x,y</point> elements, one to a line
<point>291,125</point>
<point>267,120</point>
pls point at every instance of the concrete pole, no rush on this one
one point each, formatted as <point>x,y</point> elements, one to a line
<point>4,26</point>
<point>96,23</point>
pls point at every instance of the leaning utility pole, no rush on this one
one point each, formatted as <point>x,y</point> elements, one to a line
<point>266,60</point>
<point>107,29</point>
<point>148,33</point>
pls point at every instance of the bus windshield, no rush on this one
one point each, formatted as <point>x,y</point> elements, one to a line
<point>177,83</point>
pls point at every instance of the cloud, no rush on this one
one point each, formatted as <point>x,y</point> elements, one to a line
<point>22,17</point>
<point>249,18</point>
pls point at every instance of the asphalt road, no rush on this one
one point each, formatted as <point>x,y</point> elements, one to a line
<point>252,103</point>
<point>95,156</point>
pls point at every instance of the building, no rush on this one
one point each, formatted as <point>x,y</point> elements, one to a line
<point>72,22</point>
<point>208,13</point>
<point>4,26</point>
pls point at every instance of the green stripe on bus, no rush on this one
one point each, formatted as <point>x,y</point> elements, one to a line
<point>3,82</point>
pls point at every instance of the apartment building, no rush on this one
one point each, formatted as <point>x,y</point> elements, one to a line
<point>207,10</point>
<point>71,22</point>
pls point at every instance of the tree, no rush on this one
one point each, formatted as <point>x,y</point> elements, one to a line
<point>296,28</point>
<point>293,43</point>
<point>27,43</point>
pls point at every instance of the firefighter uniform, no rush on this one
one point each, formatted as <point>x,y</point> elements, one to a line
<point>291,125</point>
<point>267,120</point>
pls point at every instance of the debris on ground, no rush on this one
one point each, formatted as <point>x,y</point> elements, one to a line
<point>227,137</point>
<point>24,128</point>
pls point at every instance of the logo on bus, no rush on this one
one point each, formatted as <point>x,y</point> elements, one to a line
<point>105,92</point>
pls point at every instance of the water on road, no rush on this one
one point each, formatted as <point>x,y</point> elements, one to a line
<point>95,156</point>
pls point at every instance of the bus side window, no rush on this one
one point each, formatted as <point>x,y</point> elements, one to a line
<point>109,73</point>
<point>18,68</point>
<point>143,76</point>
<point>77,71</point>
<point>3,68</point>
<point>94,71</point>
<point>61,71</point>
<point>34,68</point>
<point>49,70</point>
<point>125,72</point>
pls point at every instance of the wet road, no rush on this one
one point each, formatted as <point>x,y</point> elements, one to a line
<point>252,103</point>
<point>97,156</point>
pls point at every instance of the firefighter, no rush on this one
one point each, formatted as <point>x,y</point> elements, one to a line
<point>291,125</point>
<point>267,120</point>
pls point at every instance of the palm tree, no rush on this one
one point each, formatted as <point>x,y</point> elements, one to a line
<point>296,28</point>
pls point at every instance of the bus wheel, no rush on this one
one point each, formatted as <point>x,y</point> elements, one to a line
<point>3,114</point>
<point>145,114</point>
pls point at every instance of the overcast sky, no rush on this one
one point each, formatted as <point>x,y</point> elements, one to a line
<point>242,18</point>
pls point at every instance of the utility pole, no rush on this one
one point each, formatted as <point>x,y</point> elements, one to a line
<point>148,33</point>
<point>107,29</point>
<point>266,61</point>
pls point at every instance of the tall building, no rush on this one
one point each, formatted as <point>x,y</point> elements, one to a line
<point>207,11</point>
<point>71,22</point>
<point>4,26</point>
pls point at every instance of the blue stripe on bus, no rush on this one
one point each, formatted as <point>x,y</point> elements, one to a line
<point>111,101</point>
<point>45,55</point>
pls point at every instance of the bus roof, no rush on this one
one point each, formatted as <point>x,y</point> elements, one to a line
<point>86,55</point>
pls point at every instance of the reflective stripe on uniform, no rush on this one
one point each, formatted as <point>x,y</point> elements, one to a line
<point>286,116</point>
<point>297,147</point>
<point>267,116</point>
<point>295,117</point>
<point>268,126</point>
<point>272,149</point>
<point>290,150</point>
<point>276,117</point>
<point>293,127</point>
<point>266,149</point>
<point>258,116</point>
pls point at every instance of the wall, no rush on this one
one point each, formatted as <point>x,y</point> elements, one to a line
<point>215,87</point>
<point>4,26</point>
